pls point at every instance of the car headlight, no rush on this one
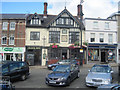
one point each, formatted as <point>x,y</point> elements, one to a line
<point>49,65</point>
<point>62,78</point>
<point>88,79</point>
<point>106,81</point>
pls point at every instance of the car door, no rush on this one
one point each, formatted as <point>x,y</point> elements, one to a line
<point>72,71</point>
<point>5,70</point>
<point>14,70</point>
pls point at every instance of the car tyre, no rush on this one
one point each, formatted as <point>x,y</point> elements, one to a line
<point>68,82</point>
<point>23,77</point>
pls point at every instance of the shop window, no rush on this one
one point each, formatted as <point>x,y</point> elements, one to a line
<point>73,37</point>
<point>34,35</point>
<point>54,53</point>
<point>54,36</point>
<point>74,53</point>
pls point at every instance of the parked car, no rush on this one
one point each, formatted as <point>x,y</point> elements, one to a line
<point>63,75</point>
<point>99,75</point>
<point>68,61</point>
<point>109,87</point>
<point>15,69</point>
<point>5,83</point>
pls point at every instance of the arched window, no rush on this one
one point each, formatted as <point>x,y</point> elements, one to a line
<point>4,40</point>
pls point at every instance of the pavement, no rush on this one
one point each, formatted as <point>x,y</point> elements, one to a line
<point>89,65</point>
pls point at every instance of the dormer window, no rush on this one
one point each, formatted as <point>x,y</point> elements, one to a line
<point>35,20</point>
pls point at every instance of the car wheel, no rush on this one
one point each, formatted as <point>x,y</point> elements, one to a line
<point>23,77</point>
<point>78,74</point>
<point>68,82</point>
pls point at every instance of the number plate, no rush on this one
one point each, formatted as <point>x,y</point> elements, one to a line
<point>52,82</point>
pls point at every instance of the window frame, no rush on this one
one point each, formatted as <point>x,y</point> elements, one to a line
<point>4,25</point>
<point>73,37</point>
<point>10,40</point>
<point>12,25</point>
<point>36,35</point>
<point>101,37</point>
<point>95,24</point>
<point>54,36</point>
<point>110,39</point>
<point>92,38</point>
<point>2,40</point>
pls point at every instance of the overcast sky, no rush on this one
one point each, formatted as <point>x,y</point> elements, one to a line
<point>91,8</point>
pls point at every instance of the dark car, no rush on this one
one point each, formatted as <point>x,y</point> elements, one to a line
<point>63,75</point>
<point>68,61</point>
<point>5,83</point>
<point>15,69</point>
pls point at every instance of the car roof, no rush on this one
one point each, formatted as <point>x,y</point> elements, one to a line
<point>103,65</point>
<point>8,62</point>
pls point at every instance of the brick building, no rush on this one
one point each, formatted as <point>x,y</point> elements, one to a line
<point>12,37</point>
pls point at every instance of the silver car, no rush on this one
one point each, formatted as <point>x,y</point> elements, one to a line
<point>99,75</point>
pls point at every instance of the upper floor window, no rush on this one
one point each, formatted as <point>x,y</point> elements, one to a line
<point>66,21</point>
<point>5,25</point>
<point>4,40</point>
<point>54,36</point>
<point>92,39</point>
<point>11,40</point>
<point>101,37</point>
<point>34,35</point>
<point>73,37</point>
<point>12,25</point>
<point>95,24</point>
<point>106,25</point>
<point>35,21</point>
<point>110,38</point>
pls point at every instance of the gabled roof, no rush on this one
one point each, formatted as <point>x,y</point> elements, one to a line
<point>32,16</point>
<point>65,11</point>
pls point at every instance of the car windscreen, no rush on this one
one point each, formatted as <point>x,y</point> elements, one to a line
<point>102,69</point>
<point>61,69</point>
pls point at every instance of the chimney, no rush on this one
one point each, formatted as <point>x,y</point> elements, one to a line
<point>45,10</point>
<point>80,13</point>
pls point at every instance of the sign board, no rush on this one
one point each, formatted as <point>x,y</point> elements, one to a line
<point>81,50</point>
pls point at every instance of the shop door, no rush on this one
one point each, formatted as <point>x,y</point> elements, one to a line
<point>64,53</point>
<point>103,57</point>
<point>37,57</point>
<point>9,57</point>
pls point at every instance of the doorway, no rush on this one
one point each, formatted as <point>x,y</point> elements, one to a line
<point>64,53</point>
<point>9,57</point>
<point>103,55</point>
<point>37,57</point>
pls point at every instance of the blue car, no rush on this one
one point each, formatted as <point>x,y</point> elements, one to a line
<point>63,75</point>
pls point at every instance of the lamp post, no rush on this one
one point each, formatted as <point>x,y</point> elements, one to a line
<point>81,19</point>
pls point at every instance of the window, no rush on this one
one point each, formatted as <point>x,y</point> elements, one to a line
<point>73,37</point>
<point>11,40</point>
<point>54,53</point>
<point>101,37</point>
<point>13,67</point>
<point>5,69</point>
<point>92,37</point>
<point>22,65</point>
<point>95,24</point>
<point>35,21</point>
<point>5,25</point>
<point>54,36</point>
<point>106,25</point>
<point>12,26</point>
<point>4,40</point>
<point>110,38</point>
<point>64,38</point>
<point>66,21</point>
<point>35,36</point>
<point>64,31</point>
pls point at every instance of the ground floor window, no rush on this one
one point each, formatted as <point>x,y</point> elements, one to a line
<point>54,53</point>
<point>93,54</point>
<point>75,53</point>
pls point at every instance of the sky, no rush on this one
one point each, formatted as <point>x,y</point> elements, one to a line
<point>91,8</point>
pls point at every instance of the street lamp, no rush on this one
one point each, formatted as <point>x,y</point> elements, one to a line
<point>81,19</point>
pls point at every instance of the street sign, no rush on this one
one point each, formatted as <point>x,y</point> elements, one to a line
<point>81,50</point>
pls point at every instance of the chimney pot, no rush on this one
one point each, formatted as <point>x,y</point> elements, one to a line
<point>45,10</point>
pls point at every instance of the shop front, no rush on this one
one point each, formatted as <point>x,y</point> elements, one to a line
<point>102,53</point>
<point>12,53</point>
<point>34,55</point>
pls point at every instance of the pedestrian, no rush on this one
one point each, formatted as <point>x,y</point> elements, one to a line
<point>46,60</point>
